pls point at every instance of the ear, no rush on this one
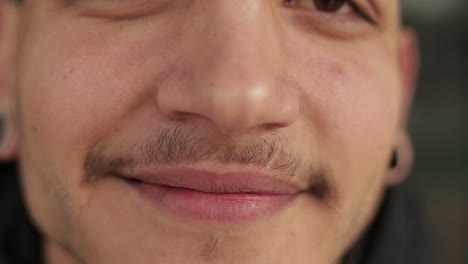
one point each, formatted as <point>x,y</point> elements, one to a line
<point>8,36</point>
<point>409,69</point>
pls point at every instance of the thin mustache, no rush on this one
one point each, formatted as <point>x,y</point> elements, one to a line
<point>181,145</point>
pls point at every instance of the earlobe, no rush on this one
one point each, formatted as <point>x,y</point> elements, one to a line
<point>8,29</point>
<point>404,154</point>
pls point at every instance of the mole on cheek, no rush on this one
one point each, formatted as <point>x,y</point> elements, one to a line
<point>336,74</point>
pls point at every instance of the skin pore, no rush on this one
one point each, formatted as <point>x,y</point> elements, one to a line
<point>105,88</point>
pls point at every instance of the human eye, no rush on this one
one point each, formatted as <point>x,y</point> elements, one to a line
<point>335,7</point>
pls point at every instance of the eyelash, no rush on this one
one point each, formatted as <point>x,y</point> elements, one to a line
<point>351,3</point>
<point>361,12</point>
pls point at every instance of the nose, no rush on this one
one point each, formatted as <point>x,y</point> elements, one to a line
<point>237,80</point>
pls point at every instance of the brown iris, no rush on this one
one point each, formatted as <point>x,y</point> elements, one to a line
<point>329,5</point>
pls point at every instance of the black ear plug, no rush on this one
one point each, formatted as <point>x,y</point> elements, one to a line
<point>394,161</point>
<point>2,128</point>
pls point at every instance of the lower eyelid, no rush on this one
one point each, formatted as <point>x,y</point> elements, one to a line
<point>112,3</point>
<point>138,8</point>
<point>341,26</point>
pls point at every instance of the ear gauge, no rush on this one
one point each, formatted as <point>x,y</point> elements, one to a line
<point>394,160</point>
<point>7,138</point>
<point>3,129</point>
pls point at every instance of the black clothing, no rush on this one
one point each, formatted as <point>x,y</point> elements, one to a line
<point>19,241</point>
<point>397,235</point>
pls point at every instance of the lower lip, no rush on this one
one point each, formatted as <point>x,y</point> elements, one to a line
<point>216,207</point>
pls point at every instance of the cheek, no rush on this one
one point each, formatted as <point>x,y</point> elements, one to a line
<point>79,86</point>
<point>350,99</point>
<point>355,108</point>
<point>76,89</point>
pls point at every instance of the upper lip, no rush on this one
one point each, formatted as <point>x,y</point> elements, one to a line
<point>235,182</point>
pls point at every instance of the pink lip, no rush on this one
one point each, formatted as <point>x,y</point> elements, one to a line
<point>202,195</point>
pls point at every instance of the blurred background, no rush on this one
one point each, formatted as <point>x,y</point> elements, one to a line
<point>439,125</point>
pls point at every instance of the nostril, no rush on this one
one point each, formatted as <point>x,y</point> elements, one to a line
<point>271,126</point>
<point>180,116</point>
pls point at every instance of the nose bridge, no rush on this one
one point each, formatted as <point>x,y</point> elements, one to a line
<point>237,72</point>
<point>236,82</point>
<point>239,39</point>
<point>238,31</point>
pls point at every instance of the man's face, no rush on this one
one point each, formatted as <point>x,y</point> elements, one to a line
<point>186,131</point>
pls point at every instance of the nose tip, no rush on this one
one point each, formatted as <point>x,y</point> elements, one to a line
<point>236,110</point>
<point>233,106</point>
<point>235,80</point>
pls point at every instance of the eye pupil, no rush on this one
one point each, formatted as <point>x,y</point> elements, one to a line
<point>329,5</point>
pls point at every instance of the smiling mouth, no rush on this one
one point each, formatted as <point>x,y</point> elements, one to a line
<point>208,196</point>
